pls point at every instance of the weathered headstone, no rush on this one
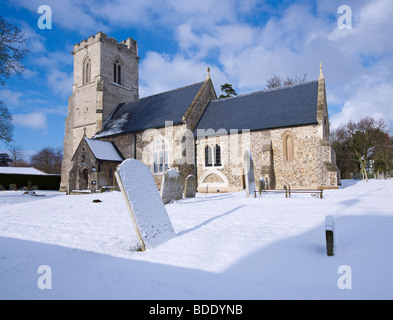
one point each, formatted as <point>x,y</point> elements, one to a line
<point>148,213</point>
<point>248,165</point>
<point>190,187</point>
<point>171,187</point>
<point>330,229</point>
<point>262,184</point>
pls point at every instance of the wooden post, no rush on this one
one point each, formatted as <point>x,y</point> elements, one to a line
<point>329,229</point>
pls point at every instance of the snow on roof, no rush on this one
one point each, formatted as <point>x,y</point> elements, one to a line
<point>21,170</point>
<point>104,150</point>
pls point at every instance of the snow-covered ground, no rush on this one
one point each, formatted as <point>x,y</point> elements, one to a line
<point>227,246</point>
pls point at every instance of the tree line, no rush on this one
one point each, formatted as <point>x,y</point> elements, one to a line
<point>365,146</point>
<point>47,159</point>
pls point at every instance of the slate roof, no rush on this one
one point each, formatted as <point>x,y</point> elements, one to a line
<point>275,108</point>
<point>104,150</point>
<point>150,112</point>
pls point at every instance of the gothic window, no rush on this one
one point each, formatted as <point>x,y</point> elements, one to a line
<point>208,156</point>
<point>217,153</point>
<point>86,71</point>
<point>288,147</point>
<point>160,156</point>
<point>213,156</point>
<point>117,74</point>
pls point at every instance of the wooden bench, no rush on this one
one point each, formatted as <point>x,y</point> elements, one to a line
<point>289,191</point>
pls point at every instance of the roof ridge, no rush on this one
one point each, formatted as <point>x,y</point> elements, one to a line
<point>156,94</point>
<point>267,90</point>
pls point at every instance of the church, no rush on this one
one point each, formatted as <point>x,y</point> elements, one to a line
<point>285,131</point>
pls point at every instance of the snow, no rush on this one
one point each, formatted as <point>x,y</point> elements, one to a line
<point>103,150</point>
<point>21,170</point>
<point>227,246</point>
<point>147,210</point>
<point>329,223</point>
<point>173,173</point>
<point>116,126</point>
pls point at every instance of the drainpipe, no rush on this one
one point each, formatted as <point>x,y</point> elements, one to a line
<point>195,161</point>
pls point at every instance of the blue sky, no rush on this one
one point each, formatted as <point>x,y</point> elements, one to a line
<point>242,41</point>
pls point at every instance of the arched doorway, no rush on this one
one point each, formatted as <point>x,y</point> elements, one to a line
<point>84,179</point>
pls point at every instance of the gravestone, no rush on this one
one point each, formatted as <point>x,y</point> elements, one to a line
<point>248,165</point>
<point>329,229</point>
<point>148,213</point>
<point>190,187</point>
<point>171,187</point>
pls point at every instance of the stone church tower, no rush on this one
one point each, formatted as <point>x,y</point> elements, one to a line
<point>105,75</point>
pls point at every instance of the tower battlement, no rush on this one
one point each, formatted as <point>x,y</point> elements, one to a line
<point>129,44</point>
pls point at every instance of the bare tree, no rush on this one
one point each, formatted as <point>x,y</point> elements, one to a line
<point>276,81</point>
<point>345,158</point>
<point>16,155</point>
<point>6,125</point>
<point>11,52</point>
<point>11,56</point>
<point>48,160</point>
<point>290,81</point>
<point>363,137</point>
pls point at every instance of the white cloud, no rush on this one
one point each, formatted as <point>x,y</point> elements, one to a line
<point>54,67</point>
<point>69,14</point>
<point>11,98</point>
<point>33,120</point>
<point>61,82</point>
<point>159,72</point>
<point>244,50</point>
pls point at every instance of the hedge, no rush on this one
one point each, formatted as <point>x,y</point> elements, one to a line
<point>43,182</point>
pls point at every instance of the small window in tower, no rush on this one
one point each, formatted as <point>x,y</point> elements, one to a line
<point>117,75</point>
<point>86,71</point>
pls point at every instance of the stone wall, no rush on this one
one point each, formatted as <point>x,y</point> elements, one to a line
<point>310,168</point>
<point>84,159</point>
<point>199,104</point>
<point>145,142</point>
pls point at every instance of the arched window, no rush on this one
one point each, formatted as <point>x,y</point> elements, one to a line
<point>213,156</point>
<point>86,71</point>
<point>288,147</point>
<point>217,153</point>
<point>208,156</point>
<point>160,156</point>
<point>117,72</point>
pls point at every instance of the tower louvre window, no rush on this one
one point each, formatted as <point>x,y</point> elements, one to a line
<point>117,74</point>
<point>86,71</point>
